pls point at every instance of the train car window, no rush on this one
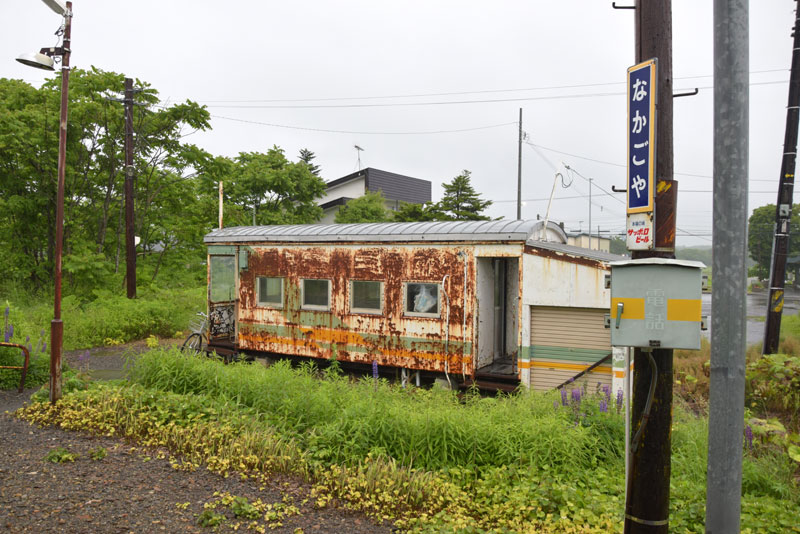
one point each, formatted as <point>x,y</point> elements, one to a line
<point>270,292</point>
<point>316,294</point>
<point>421,299</point>
<point>366,296</point>
<point>223,280</point>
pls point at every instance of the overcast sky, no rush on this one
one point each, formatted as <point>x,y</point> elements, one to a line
<point>329,75</point>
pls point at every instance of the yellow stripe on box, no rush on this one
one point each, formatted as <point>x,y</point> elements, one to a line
<point>570,367</point>
<point>684,310</point>
<point>632,309</point>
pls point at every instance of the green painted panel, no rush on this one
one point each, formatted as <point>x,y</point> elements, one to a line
<point>524,352</point>
<point>221,250</point>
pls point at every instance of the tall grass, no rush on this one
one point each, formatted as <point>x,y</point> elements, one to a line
<point>526,457</point>
<point>339,421</point>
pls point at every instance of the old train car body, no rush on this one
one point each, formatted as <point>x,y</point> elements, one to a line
<point>456,298</point>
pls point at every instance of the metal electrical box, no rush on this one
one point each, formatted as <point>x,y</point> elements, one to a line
<point>656,303</point>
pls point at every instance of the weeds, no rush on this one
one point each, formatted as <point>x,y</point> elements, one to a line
<point>565,478</point>
<point>98,454</point>
<point>60,456</point>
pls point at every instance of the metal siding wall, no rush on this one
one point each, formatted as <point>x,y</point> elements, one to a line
<point>399,187</point>
<point>565,341</point>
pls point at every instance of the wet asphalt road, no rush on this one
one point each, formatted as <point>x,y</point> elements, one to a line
<point>756,312</point>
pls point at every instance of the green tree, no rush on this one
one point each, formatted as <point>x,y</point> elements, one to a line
<point>370,207</point>
<point>164,164</point>
<point>617,245</point>
<point>271,189</point>
<point>418,213</point>
<point>306,156</point>
<point>460,201</point>
<point>760,233</point>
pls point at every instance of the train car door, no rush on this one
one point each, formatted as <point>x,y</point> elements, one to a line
<point>222,292</point>
<point>498,305</point>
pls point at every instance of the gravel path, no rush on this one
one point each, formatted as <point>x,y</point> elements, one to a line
<point>129,490</point>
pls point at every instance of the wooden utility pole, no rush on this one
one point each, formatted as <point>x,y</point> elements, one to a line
<point>130,244</point>
<point>783,211</point>
<point>647,506</point>
<point>220,203</point>
<point>57,325</point>
<point>519,168</point>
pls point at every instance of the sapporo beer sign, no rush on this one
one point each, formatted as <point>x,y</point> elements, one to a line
<point>641,155</point>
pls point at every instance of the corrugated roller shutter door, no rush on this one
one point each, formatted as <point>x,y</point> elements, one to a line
<point>564,341</point>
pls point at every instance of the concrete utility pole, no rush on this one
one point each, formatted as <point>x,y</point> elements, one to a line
<point>728,332</point>
<point>519,169</point>
<point>130,244</point>
<point>783,211</point>
<point>647,506</point>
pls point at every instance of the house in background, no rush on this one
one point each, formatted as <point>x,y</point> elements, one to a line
<point>582,240</point>
<point>396,189</point>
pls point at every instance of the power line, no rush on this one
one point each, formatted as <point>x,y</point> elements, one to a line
<point>447,102</point>
<point>624,166</point>
<point>455,93</point>
<point>325,130</point>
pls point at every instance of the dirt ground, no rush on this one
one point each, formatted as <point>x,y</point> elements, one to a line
<point>130,490</point>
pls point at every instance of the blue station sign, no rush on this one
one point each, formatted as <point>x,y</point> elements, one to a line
<point>641,136</point>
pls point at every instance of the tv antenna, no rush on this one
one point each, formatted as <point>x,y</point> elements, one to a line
<point>359,150</point>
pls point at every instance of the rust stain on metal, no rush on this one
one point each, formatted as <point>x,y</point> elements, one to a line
<point>392,338</point>
<point>666,200</point>
<point>560,256</point>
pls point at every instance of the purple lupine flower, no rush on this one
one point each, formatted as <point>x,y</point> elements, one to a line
<point>44,346</point>
<point>39,345</point>
<point>375,369</point>
<point>619,400</point>
<point>563,397</point>
<point>6,335</point>
<point>607,392</point>
<point>9,332</point>
<point>603,406</point>
<point>576,396</point>
<point>748,435</point>
<point>8,310</point>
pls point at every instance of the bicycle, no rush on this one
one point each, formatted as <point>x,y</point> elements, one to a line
<point>198,337</point>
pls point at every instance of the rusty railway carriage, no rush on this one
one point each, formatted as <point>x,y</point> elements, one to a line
<point>487,302</point>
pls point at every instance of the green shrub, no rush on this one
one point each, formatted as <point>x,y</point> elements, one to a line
<point>773,385</point>
<point>107,318</point>
<point>38,368</point>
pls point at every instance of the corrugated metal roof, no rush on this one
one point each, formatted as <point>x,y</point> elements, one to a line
<point>576,251</point>
<point>413,231</point>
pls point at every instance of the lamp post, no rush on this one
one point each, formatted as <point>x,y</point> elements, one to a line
<point>44,60</point>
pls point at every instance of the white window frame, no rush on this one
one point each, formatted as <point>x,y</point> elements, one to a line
<point>316,307</point>
<point>436,315</point>
<point>369,311</point>
<point>262,304</point>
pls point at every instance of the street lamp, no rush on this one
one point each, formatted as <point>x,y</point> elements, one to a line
<point>44,60</point>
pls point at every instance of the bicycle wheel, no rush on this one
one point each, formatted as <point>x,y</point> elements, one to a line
<point>192,343</point>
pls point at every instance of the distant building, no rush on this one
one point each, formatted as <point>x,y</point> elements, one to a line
<point>396,189</point>
<point>582,240</point>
